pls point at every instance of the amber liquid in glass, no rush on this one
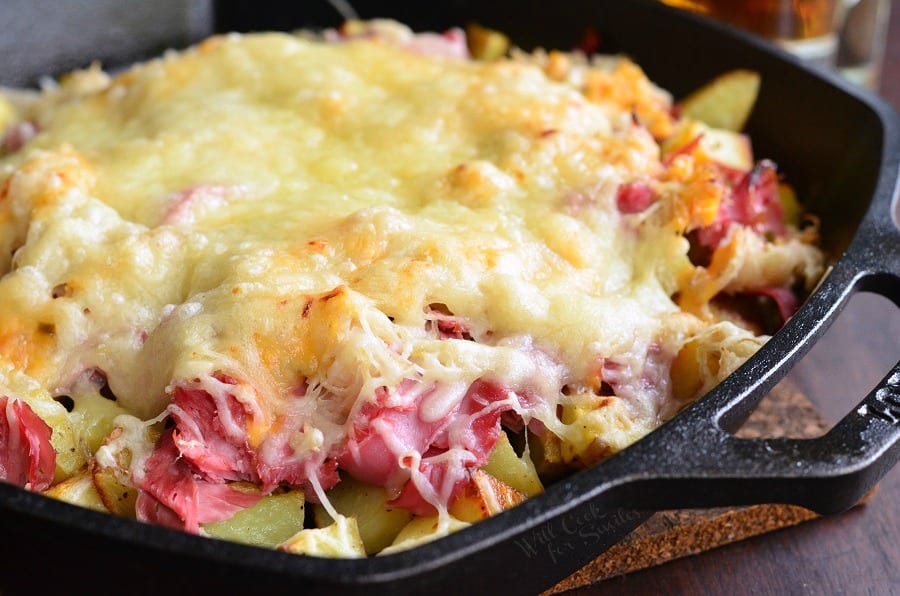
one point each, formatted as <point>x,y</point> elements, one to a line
<point>806,27</point>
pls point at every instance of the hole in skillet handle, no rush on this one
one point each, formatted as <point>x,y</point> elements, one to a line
<point>693,461</point>
<point>703,465</point>
<point>708,467</point>
<point>852,356</point>
<point>831,473</point>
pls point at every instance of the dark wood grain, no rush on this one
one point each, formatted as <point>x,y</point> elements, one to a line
<point>670,535</point>
<point>854,553</point>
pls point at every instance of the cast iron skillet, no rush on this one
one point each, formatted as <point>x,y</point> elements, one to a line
<point>839,146</point>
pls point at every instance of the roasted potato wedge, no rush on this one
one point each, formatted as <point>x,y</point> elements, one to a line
<point>378,523</point>
<point>117,497</point>
<point>424,529</point>
<point>486,44</point>
<point>7,113</point>
<point>78,490</point>
<point>70,457</point>
<point>517,472</point>
<point>790,205</point>
<point>93,415</point>
<point>340,539</point>
<point>726,102</point>
<point>272,521</point>
<point>731,149</point>
<point>483,497</point>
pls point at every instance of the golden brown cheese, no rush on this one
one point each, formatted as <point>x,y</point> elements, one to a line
<point>292,214</point>
<point>411,179</point>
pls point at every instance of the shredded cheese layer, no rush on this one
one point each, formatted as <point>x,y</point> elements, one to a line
<point>313,230</point>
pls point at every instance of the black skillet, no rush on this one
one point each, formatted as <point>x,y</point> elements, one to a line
<point>839,146</point>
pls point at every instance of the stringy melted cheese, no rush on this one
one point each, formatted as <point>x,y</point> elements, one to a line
<point>285,212</point>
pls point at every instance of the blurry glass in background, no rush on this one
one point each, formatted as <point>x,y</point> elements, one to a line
<point>847,34</point>
<point>863,39</point>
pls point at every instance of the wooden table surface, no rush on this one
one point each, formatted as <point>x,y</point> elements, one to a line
<point>854,553</point>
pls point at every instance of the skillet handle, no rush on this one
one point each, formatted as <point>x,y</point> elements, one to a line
<point>832,473</point>
<point>693,462</point>
<point>828,474</point>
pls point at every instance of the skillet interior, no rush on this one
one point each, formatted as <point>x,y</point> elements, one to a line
<point>828,141</point>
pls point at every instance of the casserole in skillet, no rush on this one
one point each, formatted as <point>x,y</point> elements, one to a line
<point>225,380</point>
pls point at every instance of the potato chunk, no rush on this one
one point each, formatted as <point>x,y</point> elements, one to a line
<point>378,523</point>
<point>725,102</point>
<point>731,149</point>
<point>340,539</point>
<point>117,497</point>
<point>486,44</point>
<point>273,520</point>
<point>483,497</point>
<point>93,415</point>
<point>518,472</point>
<point>77,490</point>
<point>422,530</point>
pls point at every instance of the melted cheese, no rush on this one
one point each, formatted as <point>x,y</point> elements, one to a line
<point>289,213</point>
<point>239,182</point>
